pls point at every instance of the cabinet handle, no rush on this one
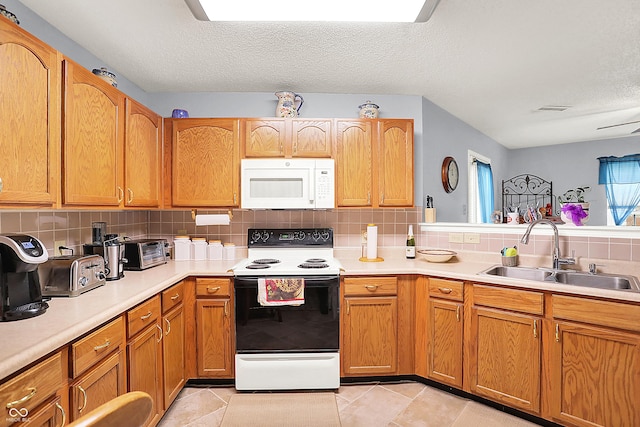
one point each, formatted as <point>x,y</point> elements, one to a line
<point>100,347</point>
<point>226,308</point>
<point>64,415</point>
<point>557,332</point>
<point>159,330</point>
<point>445,290</point>
<point>168,326</point>
<point>146,316</point>
<point>130,199</point>
<point>369,197</point>
<point>84,399</point>
<point>175,297</point>
<point>381,197</point>
<point>213,290</point>
<point>235,198</point>
<point>32,392</point>
<point>1,185</point>
<point>347,306</point>
<point>120,194</point>
<point>371,288</point>
<point>458,313</point>
<point>535,328</point>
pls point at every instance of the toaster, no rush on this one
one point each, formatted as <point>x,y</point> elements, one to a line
<point>69,276</point>
<point>144,253</point>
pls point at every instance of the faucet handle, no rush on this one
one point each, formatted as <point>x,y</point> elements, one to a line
<point>593,267</point>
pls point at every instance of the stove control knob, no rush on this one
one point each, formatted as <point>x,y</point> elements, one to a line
<point>325,235</point>
<point>265,236</point>
<point>255,236</point>
<point>315,235</point>
<point>300,235</point>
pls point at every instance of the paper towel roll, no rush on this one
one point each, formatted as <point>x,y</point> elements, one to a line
<point>212,219</point>
<point>372,241</point>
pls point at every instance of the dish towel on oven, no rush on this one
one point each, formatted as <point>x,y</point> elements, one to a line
<point>284,291</point>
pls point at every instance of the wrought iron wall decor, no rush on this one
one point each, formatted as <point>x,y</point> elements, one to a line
<point>526,190</point>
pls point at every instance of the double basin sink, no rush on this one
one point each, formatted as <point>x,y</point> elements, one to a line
<point>567,277</point>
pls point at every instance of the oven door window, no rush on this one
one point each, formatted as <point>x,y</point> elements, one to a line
<point>311,327</point>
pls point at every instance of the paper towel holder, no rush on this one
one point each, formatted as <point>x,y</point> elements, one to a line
<point>194,212</point>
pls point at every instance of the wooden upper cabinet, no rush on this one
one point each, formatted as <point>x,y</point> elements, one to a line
<point>264,138</point>
<point>354,163</point>
<point>205,162</point>
<point>143,156</point>
<point>287,137</point>
<point>92,139</point>
<point>311,138</point>
<point>29,118</point>
<point>395,162</point>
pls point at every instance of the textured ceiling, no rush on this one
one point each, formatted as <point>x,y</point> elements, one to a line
<point>491,63</point>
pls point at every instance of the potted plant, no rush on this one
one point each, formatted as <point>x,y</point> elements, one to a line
<point>573,208</point>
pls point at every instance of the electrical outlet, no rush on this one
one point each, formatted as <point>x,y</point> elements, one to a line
<point>56,247</point>
<point>471,237</point>
<point>456,238</point>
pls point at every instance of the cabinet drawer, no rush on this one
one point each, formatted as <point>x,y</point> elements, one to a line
<point>172,296</point>
<point>143,315</point>
<point>206,287</point>
<point>366,286</point>
<point>89,350</point>
<point>604,313</point>
<point>443,288</point>
<point>32,387</point>
<point>509,299</point>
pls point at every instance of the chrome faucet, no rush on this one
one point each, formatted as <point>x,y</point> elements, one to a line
<point>557,259</point>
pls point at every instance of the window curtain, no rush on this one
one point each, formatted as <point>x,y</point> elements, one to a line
<point>621,179</point>
<point>485,191</point>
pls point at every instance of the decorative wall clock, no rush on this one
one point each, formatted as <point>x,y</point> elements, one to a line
<point>450,174</point>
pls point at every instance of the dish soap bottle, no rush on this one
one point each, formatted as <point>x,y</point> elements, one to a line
<point>411,244</point>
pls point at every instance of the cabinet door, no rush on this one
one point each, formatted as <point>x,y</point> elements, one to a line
<point>205,163</point>
<point>395,162</point>
<point>29,118</point>
<point>50,414</point>
<point>595,376</point>
<point>311,138</point>
<point>370,335</point>
<point>213,338</point>
<point>444,339</point>
<point>173,355</point>
<point>505,358</point>
<point>264,138</point>
<point>142,156</point>
<point>354,161</point>
<point>145,367</point>
<point>92,139</point>
<point>98,385</point>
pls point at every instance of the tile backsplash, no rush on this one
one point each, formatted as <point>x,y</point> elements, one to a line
<point>74,228</point>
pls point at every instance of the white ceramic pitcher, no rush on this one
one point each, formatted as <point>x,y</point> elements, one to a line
<point>289,104</point>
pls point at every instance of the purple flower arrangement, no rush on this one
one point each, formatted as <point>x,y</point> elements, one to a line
<point>574,212</point>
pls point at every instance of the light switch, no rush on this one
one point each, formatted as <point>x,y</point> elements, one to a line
<point>456,238</point>
<point>471,238</point>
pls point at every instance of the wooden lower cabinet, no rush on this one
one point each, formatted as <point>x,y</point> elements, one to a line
<point>370,326</point>
<point>173,354</point>
<point>595,368</point>
<point>213,331</point>
<point>50,414</point>
<point>144,354</point>
<point>98,385</point>
<point>444,338</point>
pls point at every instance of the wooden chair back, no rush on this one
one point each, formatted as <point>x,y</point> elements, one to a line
<point>128,410</point>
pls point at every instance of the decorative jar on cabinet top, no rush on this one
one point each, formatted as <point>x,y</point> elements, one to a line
<point>368,110</point>
<point>289,104</point>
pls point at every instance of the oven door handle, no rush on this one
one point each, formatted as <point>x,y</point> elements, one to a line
<point>250,281</point>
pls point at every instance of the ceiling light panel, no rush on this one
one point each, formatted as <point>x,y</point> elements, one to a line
<point>320,10</point>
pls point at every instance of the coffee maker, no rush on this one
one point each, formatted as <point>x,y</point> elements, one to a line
<point>112,250</point>
<point>20,293</point>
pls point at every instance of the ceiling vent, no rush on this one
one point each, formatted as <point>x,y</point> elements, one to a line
<point>553,108</point>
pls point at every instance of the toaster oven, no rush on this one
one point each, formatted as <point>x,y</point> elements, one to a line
<point>144,253</point>
<point>69,276</point>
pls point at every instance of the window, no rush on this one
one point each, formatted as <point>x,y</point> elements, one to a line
<point>621,179</point>
<point>480,197</point>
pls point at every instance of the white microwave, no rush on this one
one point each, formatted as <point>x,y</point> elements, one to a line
<point>287,184</point>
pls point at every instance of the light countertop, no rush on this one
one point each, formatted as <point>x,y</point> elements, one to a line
<point>66,319</point>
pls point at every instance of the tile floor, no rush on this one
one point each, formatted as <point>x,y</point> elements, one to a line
<point>403,404</point>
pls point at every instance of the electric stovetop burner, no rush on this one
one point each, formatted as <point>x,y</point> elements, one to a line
<point>257,266</point>
<point>313,265</point>
<point>266,261</point>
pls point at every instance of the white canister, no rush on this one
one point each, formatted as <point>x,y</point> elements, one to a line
<point>199,248</point>
<point>182,248</point>
<point>215,250</point>
<point>229,251</point>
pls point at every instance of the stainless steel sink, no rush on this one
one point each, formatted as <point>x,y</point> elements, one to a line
<point>518,272</point>
<point>598,280</point>
<point>577,278</point>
